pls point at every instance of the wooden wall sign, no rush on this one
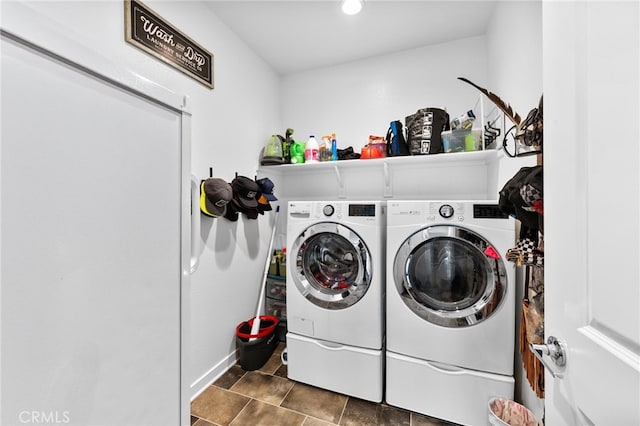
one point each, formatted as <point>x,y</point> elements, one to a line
<point>146,30</point>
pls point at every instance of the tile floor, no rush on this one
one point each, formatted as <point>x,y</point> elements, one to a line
<point>266,397</point>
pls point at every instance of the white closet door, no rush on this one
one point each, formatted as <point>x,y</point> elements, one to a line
<point>91,248</point>
<point>592,211</point>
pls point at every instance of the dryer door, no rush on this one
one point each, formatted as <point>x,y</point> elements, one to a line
<point>333,265</point>
<point>450,276</point>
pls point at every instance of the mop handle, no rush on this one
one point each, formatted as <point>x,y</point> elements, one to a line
<point>255,327</point>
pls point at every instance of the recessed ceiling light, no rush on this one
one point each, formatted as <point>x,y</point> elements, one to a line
<point>352,7</point>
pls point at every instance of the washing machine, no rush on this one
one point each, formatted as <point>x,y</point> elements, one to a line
<point>450,308</point>
<point>335,290</point>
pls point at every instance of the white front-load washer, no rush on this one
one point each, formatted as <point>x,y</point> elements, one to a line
<point>335,289</point>
<point>450,308</point>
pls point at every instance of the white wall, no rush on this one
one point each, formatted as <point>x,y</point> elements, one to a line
<point>229,127</point>
<point>514,55</point>
<point>360,98</point>
<point>515,74</point>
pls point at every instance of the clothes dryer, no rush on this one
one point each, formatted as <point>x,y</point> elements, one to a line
<point>450,308</point>
<point>335,288</point>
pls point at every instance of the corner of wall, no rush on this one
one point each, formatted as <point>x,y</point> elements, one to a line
<point>208,378</point>
<point>515,74</point>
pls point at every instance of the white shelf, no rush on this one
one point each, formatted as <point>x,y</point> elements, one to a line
<point>452,176</point>
<point>446,176</point>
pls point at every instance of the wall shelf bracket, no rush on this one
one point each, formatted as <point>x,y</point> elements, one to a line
<point>342,193</point>
<point>387,182</point>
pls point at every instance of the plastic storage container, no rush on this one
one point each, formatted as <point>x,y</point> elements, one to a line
<point>277,308</point>
<point>276,299</point>
<point>276,288</point>
<point>461,140</point>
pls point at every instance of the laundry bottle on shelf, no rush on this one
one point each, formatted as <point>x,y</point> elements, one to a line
<point>322,149</point>
<point>297,152</point>
<point>311,150</point>
<point>325,148</point>
<point>334,147</point>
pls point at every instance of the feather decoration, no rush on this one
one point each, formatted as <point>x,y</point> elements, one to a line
<point>506,108</point>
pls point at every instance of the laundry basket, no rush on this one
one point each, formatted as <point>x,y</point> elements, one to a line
<point>504,412</point>
<point>255,349</point>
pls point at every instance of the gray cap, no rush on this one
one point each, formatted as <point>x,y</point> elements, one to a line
<point>215,194</point>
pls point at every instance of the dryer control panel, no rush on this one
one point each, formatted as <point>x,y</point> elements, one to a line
<point>462,211</point>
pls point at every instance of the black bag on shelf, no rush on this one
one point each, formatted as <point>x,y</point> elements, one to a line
<point>423,130</point>
<point>396,142</point>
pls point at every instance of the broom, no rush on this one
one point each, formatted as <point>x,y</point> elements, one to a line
<point>533,368</point>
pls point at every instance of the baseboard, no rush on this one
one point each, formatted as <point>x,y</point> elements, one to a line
<point>213,374</point>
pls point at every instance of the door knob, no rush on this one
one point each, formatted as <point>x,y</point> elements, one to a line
<point>553,350</point>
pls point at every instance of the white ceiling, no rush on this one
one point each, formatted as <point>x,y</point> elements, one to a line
<point>297,35</point>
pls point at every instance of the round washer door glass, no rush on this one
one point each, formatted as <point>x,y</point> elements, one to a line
<point>450,276</point>
<point>333,265</point>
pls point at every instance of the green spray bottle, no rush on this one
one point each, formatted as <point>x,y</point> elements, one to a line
<point>286,146</point>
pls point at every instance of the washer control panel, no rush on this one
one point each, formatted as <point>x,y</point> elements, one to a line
<point>360,212</point>
<point>354,210</point>
<point>449,211</point>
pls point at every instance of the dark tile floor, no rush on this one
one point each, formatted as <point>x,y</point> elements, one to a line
<point>266,397</point>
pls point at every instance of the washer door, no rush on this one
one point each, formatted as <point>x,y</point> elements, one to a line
<point>450,276</point>
<point>333,265</point>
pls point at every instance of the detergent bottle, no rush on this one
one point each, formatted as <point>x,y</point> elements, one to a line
<point>311,150</point>
<point>334,148</point>
<point>297,153</point>
<point>322,151</point>
<point>325,148</point>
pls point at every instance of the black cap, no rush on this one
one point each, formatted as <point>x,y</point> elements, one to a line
<point>231,213</point>
<point>245,191</point>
